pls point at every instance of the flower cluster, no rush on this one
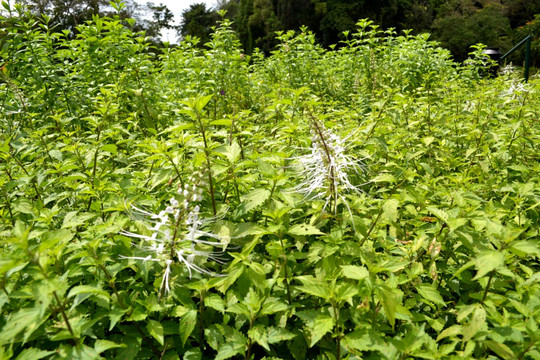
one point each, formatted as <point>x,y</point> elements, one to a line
<point>176,236</point>
<point>509,69</point>
<point>516,90</point>
<point>469,106</point>
<point>326,169</point>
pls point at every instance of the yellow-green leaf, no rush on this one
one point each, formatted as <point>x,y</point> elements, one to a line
<point>156,330</point>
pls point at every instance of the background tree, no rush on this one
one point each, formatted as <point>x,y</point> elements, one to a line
<point>462,23</point>
<point>161,18</point>
<point>417,16</point>
<point>198,21</point>
<point>67,14</point>
<point>519,12</point>
<point>457,24</point>
<point>230,6</point>
<point>530,28</point>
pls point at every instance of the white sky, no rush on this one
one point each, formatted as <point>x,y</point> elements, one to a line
<point>177,6</point>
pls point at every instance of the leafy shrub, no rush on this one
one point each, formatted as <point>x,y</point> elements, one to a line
<point>375,201</point>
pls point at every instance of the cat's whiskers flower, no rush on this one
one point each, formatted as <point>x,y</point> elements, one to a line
<point>176,237</point>
<point>327,167</point>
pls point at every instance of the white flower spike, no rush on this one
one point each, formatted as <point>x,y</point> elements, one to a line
<point>176,238</point>
<point>326,169</point>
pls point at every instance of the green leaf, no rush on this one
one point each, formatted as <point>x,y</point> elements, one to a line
<point>82,352</point>
<point>104,345</point>
<point>500,349</point>
<point>476,324</point>
<point>266,169</point>
<point>442,215</point>
<point>233,152</point>
<point>355,272</point>
<point>345,292</point>
<point>214,336</point>
<point>33,354</point>
<point>23,205</point>
<point>384,177</point>
<point>193,354</point>
<point>468,265</point>
<point>74,219</point>
<point>131,350</point>
<point>456,223</point>
<point>115,315</point>
<point>10,265</point>
<point>390,210</point>
<point>109,148</point>
<point>17,322</point>
<point>488,261</point>
<point>317,325</point>
<point>187,324</point>
<point>215,302</point>
<point>254,199</point>
<point>273,305</point>
<point>525,248</point>
<point>201,102</point>
<point>429,293</point>
<point>277,334</point>
<point>239,308</point>
<point>56,154</point>
<point>450,332</point>
<point>320,326</point>
<point>315,287</point>
<point>364,340</point>
<point>221,122</point>
<point>234,273</point>
<point>304,229</point>
<point>389,303</point>
<point>258,333</point>
<point>89,289</point>
<point>156,330</point>
<point>52,238</point>
<point>236,344</point>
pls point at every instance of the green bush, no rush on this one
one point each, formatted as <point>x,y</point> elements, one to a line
<point>375,201</point>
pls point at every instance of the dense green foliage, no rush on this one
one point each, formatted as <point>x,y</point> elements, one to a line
<point>67,14</point>
<point>416,237</point>
<point>457,24</point>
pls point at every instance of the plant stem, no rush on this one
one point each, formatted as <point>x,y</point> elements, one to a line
<point>108,276</point>
<point>150,173</point>
<point>9,207</point>
<point>332,178</point>
<point>207,154</point>
<point>526,350</point>
<point>286,273</point>
<point>488,285</point>
<point>250,342</point>
<point>252,319</point>
<point>65,317</point>
<point>201,323</point>
<point>338,338</point>
<point>94,168</point>
<point>176,170</point>
<point>60,304</point>
<point>379,215</point>
<point>145,104</point>
<point>38,194</point>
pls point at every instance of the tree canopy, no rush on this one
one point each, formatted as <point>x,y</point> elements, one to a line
<point>456,24</point>
<point>67,14</point>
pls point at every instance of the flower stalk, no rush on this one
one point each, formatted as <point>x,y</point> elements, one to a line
<point>326,169</point>
<point>176,237</point>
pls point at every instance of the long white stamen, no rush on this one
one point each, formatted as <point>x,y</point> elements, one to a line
<point>172,231</point>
